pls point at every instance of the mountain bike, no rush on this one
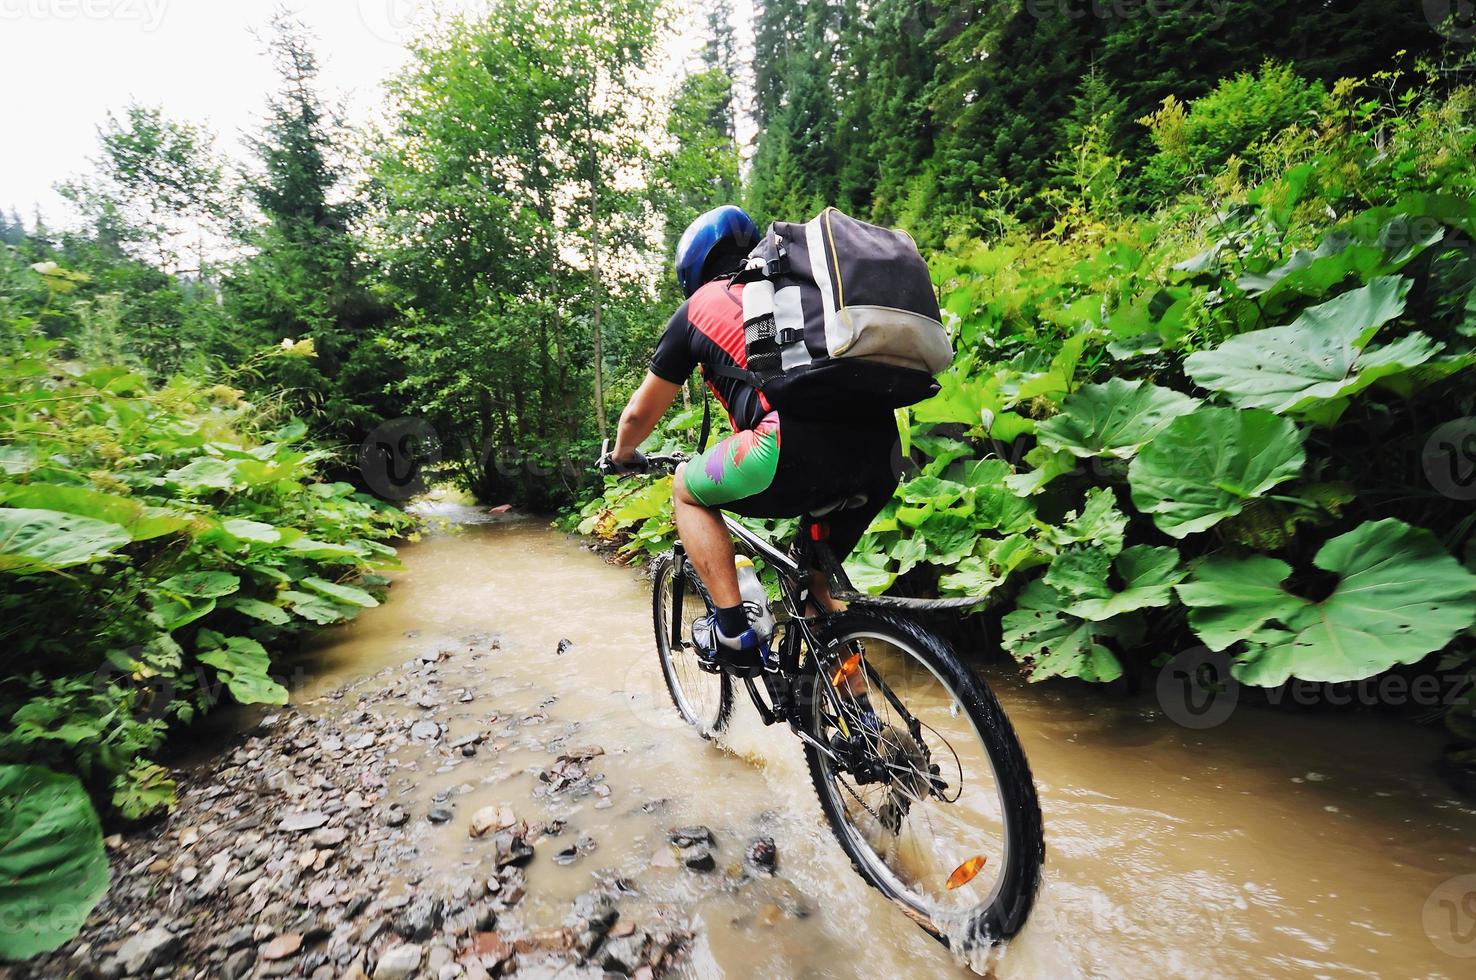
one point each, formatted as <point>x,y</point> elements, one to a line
<point>918,771</point>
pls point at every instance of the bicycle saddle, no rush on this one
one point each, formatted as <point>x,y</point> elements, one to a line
<point>840,503</point>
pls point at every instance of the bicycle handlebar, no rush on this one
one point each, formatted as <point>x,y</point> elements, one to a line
<point>654,464</point>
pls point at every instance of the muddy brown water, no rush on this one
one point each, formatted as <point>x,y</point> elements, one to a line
<point>1272,845</point>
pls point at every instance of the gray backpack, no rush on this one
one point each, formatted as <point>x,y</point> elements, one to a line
<point>836,309</point>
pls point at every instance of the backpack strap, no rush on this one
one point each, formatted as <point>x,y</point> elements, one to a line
<point>768,260</point>
<point>732,371</point>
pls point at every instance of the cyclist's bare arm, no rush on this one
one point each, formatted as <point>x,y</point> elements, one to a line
<point>647,405</point>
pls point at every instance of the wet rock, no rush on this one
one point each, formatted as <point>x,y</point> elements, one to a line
<point>467,751</point>
<point>147,950</point>
<point>581,753</point>
<point>237,938</point>
<point>439,815</point>
<point>303,820</point>
<point>544,940</point>
<point>698,858</point>
<point>623,954</point>
<point>238,965</point>
<point>282,947</point>
<point>421,919</point>
<point>425,730</point>
<point>564,646</point>
<point>762,855</point>
<point>329,837</point>
<point>485,917</point>
<point>688,836</point>
<point>491,946</point>
<point>398,962</point>
<point>596,909</point>
<point>513,885</point>
<point>512,848</point>
<point>490,818</point>
<point>395,816</point>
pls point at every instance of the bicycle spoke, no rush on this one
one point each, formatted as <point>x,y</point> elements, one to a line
<point>946,850</point>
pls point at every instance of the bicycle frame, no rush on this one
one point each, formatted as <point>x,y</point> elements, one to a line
<point>789,689</point>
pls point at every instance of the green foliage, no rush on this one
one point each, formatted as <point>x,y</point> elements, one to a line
<point>1205,466</point>
<point>503,219</point>
<point>1236,119</point>
<point>1400,595</point>
<point>153,539</point>
<point>1189,425</point>
<point>53,869</point>
<point>959,119</point>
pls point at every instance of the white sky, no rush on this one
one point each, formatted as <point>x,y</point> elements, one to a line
<point>69,62</point>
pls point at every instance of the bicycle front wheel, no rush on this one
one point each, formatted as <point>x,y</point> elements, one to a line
<point>922,779</point>
<point>704,700</point>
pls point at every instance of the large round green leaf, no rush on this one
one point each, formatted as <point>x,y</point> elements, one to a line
<point>343,593</point>
<point>1051,642</point>
<point>1322,357</point>
<point>1148,575</point>
<point>53,869</point>
<point>1112,419</point>
<point>142,522</point>
<point>1400,596</point>
<point>33,540</point>
<point>1229,599</point>
<point>243,664</point>
<point>1204,466</point>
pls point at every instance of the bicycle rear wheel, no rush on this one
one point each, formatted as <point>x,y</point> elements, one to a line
<point>704,700</point>
<point>925,785</point>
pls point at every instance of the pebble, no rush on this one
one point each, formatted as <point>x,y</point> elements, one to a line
<point>327,837</point>
<point>439,815</point>
<point>698,858</point>
<point>762,855</point>
<point>238,964</point>
<point>687,836</point>
<point>421,918</point>
<point>147,949</point>
<point>398,962</point>
<point>282,947</point>
<point>305,820</point>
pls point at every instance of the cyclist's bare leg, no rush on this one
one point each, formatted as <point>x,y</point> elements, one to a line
<point>706,539</point>
<point>820,597</point>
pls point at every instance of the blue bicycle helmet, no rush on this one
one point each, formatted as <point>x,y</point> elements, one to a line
<point>725,233</point>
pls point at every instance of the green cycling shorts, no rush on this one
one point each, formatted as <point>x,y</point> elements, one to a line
<point>742,465</point>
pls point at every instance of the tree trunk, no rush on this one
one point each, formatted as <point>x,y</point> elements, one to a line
<point>594,265</point>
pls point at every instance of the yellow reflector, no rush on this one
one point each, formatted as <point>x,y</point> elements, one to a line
<point>847,670</point>
<point>964,873</point>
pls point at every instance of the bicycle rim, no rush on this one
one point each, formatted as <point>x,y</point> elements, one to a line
<point>703,700</point>
<point>959,849</point>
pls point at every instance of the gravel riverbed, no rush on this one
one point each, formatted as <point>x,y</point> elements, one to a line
<point>300,850</point>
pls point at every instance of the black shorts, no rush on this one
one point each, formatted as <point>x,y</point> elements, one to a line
<point>788,467</point>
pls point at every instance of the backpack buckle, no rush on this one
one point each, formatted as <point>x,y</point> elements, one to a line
<point>789,335</point>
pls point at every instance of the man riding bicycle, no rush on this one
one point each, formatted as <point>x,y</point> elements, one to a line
<point>771,466</point>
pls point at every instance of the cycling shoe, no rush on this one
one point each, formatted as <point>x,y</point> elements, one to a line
<point>740,656</point>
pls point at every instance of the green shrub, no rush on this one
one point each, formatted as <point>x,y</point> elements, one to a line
<point>156,541</point>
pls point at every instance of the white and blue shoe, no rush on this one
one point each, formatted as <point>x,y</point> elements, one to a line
<point>742,655</point>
